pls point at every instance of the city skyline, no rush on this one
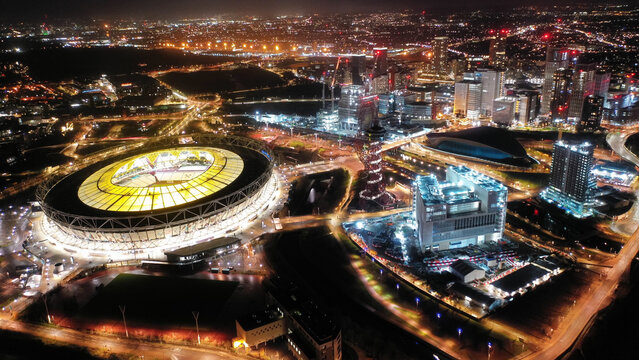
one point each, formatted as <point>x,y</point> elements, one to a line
<point>336,181</point>
<point>196,9</point>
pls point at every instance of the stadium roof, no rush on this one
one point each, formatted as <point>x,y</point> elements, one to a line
<point>160,179</point>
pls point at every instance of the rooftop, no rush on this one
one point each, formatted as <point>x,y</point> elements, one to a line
<point>485,142</point>
<point>434,192</point>
<point>464,267</point>
<point>205,246</point>
<point>478,178</point>
<point>472,293</point>
<point>299,304</point>
<point>520,278</point>
<point>584,148</point>
<point>253,321</point>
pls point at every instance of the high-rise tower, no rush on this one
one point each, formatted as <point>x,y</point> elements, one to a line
<point>440,55</point>
<point>556,59</point>
<point>497,52</point>
<point>583,85</point>
<point>572,186</point>
<point>560,93</point>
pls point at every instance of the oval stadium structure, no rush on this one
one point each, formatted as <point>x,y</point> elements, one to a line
<point>170,193</point>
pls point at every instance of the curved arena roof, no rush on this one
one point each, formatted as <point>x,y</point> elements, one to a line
<point>487,143</point>
<point>160,179</point>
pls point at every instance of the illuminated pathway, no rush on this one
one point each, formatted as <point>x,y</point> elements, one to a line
<point>144,349</point>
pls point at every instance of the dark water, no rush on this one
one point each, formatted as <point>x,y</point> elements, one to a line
<point>55,64</point>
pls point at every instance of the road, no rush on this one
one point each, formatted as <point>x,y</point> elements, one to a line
<point>151,350</point>
<point>588,307</point>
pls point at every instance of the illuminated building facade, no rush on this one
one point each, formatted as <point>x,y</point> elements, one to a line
<point>475,94</point>
<point>572,186</point>
<point>556,59</point>
<point>520,106</point>
<point>468,98</point>
<point>356,111</point>
<point>504,110</point>
<point>468,208</point>
<point>439,60</point>
<point>592,113</point>
<point>560,94</point>
<point>497,52</point>
<point>583,85</point>
<point>170,195</point>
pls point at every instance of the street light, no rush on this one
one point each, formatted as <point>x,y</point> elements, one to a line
<point>416,302</point>
<point>459,332</point>
<point>196,315</point>
<point>122,310</point>
<point>490,347</point>
<point>46,307</point>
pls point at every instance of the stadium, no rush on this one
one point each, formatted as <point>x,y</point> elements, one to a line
<point>170,193</point>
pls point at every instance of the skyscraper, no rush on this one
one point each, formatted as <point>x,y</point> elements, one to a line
<point>491,85</point>
<point>556,59</point>
<point>356,111</point>
<point>601,84</point>
<point>468,98</point>
<point>497,52</point>
<point>380,84</point>
<point>583,85</point>
<point>572,187</point>
<point>592,113</point>
<point>504,110</point>
<point>440,55</point>
<point>357,67</point>
<point>560,94</point>
<point>380,61</point>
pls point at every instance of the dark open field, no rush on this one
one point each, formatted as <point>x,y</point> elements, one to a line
<point>159,300</point>
<point>330,187</point>
<point>212,81</point>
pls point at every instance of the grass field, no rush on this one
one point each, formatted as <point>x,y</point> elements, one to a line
<point>159,300</point>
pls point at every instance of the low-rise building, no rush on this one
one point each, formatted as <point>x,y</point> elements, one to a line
<point>312,333</point>
<point>467,271</point>
<point>524,278</point>
<point>261,327</point>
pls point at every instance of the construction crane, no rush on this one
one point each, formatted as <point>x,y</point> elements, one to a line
<point>339,60</point>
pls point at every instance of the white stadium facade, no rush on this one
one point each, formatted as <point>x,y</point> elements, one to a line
<point>171,193</point>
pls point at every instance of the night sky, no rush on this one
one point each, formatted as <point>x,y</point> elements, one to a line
<point>12,10</point>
